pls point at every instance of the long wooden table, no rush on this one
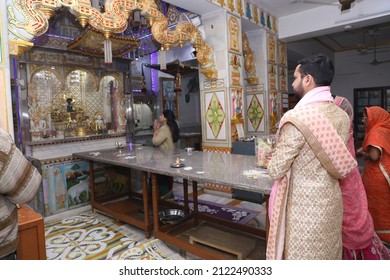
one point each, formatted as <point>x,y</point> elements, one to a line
<point>199,167</point>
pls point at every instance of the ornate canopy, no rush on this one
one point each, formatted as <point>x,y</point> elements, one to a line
<point>90,42</point>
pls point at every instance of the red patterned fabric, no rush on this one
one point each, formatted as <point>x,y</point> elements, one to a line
<point>359,238</point>
<point>374,251</point>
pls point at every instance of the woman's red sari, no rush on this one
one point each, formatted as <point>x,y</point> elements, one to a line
<point>374,175</point>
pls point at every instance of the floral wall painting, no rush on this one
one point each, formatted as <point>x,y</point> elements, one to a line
<point>235,69</point>
<point>271,48</point>
<point>169,97</point>
<point>215,115</point>
<point>282,53</point>
<point>255,112</point>
<point>234,31</point>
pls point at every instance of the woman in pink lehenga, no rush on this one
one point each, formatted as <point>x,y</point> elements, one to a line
<point>360,242</point>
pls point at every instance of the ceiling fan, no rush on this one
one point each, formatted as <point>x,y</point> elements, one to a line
<point>375,61</point>
<point>345,4</point>
<point>362,47</point>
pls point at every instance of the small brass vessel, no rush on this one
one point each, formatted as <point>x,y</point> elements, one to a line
<point>80,131</point>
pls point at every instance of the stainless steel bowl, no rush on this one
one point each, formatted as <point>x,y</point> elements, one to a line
<point>172,216</point>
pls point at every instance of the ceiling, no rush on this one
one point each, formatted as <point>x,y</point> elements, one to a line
<point>350,38</point>
<point>357,36</point>
<point>362,39</point>
<point>281,8</point>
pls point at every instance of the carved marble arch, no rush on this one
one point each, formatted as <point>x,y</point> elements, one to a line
<point>92,75</point>
<point>81,86</point>
<point>44,84</point>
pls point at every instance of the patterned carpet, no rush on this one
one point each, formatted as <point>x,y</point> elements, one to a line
<point>227,212</point>
<point>91,236</point>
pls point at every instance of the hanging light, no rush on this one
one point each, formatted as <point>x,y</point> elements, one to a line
<point>162,59</point>
<point>107,48</point>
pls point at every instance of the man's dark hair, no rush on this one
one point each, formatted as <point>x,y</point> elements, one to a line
<point>320,67</point>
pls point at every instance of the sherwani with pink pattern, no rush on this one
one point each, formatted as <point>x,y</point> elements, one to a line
<point>314,207</point>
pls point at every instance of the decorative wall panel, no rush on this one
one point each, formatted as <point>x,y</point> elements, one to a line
<point>235,70</point>
<point>234,33</point>
<point>282,74</point>
<point>215,115</point>
<point>282,53</point>
<point>271,48</point>
<point>272,73</point>
<point>255,111</point>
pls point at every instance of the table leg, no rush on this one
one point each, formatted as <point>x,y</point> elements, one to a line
<point>155,201</point>
<point>145,199</point>
<point>195,199</point>
<point>92,185</point>
<point>185,192</point>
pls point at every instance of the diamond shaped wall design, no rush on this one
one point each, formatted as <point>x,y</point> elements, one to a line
<point>255,112</point>
<point>215,115</point>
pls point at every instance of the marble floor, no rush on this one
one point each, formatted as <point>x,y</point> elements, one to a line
<point>138,238</point>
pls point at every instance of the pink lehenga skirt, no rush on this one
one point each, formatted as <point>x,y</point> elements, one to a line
<point>374,251</point>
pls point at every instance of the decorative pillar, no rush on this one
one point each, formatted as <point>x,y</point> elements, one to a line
<point>6,121</point>
<point>237,103</point>
<point>221,98</point>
